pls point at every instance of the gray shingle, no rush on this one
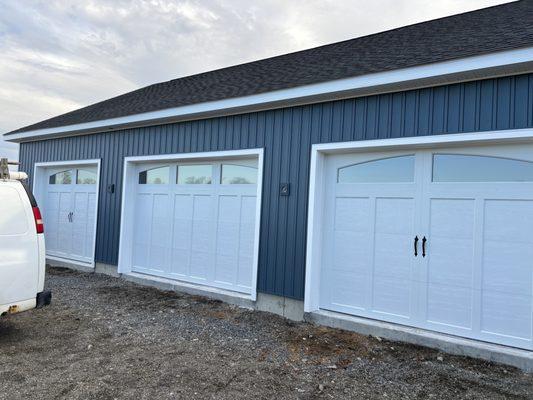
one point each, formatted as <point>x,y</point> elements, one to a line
<point>488,30</point>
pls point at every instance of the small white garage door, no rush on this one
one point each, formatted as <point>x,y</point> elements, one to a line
<point>69,212</point>
<point>195,222</point>
<point>440,240</point>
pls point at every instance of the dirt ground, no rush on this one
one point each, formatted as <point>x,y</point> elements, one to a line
<point>104,338</point>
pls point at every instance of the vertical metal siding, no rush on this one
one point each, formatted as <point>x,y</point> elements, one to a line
<point>287,135</point>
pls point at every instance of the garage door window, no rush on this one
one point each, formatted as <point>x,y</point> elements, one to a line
<point>195,174</point>
<point>238,174</point>
<point>390,170</point>
<point>155,176</point>
<point>85,177</point>
<point>469,168</point>
<point>61,178</point>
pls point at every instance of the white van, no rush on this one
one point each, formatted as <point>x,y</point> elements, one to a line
<point>22,249</point>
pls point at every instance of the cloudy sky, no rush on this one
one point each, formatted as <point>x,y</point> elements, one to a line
<point>59,55</point>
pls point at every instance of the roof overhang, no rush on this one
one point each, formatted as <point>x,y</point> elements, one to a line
<point>491,65</point>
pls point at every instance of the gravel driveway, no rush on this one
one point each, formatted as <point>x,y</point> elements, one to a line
<point>104,338</point>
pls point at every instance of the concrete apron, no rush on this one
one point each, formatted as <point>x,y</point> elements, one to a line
<point>293,310</point>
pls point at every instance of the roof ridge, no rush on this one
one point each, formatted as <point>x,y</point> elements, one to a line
<point>340,41</point>
<point>501,27</point>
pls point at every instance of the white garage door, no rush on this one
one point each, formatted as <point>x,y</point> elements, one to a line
<point>441,240</point>
<point>195,222</point>
<point>69,213</point>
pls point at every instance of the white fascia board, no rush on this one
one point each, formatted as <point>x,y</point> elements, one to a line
<point>489,65</point>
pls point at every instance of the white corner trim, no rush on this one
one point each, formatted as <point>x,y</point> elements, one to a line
<point>38,190</point>
<point>127,209</point>
<point>317,178</point>
<point>302,94</point>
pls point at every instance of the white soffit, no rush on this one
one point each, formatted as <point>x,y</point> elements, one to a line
<point>464,69</point>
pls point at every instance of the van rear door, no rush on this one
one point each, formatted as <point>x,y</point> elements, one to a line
<point>19,258</point>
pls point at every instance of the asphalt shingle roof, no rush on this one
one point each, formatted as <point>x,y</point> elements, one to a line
<point>488,30</point>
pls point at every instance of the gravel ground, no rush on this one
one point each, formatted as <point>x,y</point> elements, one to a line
<point>104,338</point>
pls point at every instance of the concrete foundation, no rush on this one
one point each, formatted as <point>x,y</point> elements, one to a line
<point>522,359</point>
<point>288,308</point>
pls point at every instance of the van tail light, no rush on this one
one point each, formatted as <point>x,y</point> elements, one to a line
<point>38,220</point>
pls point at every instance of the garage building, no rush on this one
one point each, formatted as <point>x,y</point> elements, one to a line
<point>384,182</point>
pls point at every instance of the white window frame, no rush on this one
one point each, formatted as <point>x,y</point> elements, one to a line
<point>40,181</point>
<point>130,179</point>
<point>317,181</point>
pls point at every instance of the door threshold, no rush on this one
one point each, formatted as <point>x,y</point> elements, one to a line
<point>519,358</point>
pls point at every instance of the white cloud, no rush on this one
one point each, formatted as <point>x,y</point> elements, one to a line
<point>58,55</point>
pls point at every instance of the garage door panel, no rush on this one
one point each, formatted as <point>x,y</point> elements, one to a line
<point>451,269</point>
<point>352,214</point>
<point>245,271</point>
<point>449,298</point>
<point>80,224</point>
<point>183,215</point>
<point>394,216</point>
<point>69,212</point>
<point>203,231</point>
<point>51,220</point>
<point>225,271</point>
<point>141,237</point>
<point>91,224</point>
<point>506,314</point>
<point>246,241</point>
<point>392,296</point>
<point>509,220</point>
<point>180,261</point>
<point>452,218</point>
<point>201,263</point>
<point>201,224</point>
<point>504,271</point>
<point>64,232</point>
<point>392,285</point>
<point>449,305</point>
<point>160,233</point>
<point>474,277</point>
<point>229,210</point>
<point>351,251</point>
<point>349,290</point>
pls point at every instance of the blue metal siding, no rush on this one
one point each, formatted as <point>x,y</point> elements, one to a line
<point>287,135</point>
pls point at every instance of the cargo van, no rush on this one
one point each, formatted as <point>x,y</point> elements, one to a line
<point>22,247</point>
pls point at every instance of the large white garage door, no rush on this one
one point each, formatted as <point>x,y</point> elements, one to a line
<point>441,240</point>
<point>69,213</point>
<point>195,222</point>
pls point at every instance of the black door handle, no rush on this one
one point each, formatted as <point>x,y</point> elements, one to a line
<point>424,240</point>
<point>416,246</point>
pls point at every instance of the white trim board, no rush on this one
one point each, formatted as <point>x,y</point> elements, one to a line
<point>127,205</point>
<point>470,68</point>
<point>38,189</point>
<point>317,178</point>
